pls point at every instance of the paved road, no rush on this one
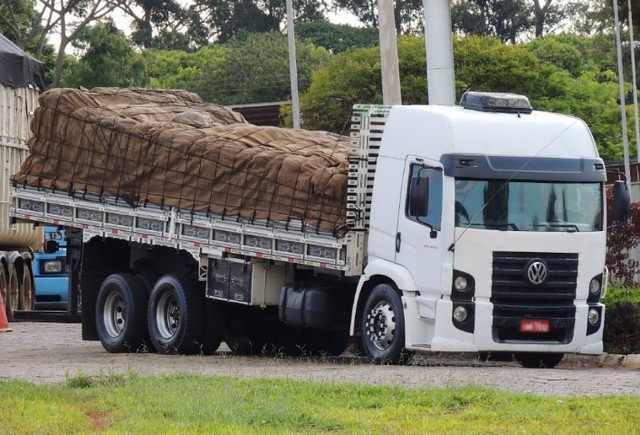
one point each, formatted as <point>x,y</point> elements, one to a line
<point>51,352</point>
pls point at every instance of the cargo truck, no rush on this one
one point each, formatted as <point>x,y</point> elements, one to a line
<point>475,228</point>
<point>21,79</point>
<point>50,272</point>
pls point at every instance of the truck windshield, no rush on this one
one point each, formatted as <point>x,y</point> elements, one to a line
<point>528,206</point>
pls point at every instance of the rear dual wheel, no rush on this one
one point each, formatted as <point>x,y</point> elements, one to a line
<point>180,320</point>
<point>120,308</point>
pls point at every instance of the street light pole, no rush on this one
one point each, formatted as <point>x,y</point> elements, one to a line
<point>634,82</point>
<point>388,54</point>
<point>293,67</point>
<point>623,106</point>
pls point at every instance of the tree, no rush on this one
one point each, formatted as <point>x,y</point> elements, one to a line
<point>407,13</point>
<point>256,70</point>
<point>176,69</point>
<point>506,19</point>
<point>108,60</point>
<point>336,38</point>
<point>220,20</point>
<point>547,14</point>
<point>164,16</point>
<point>70,18</point>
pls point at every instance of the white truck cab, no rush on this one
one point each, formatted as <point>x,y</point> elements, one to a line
<point>489,220</point>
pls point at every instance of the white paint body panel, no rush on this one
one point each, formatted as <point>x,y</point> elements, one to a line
<point>424,274</point>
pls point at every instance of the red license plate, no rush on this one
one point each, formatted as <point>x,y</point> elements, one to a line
<point>534,326</point>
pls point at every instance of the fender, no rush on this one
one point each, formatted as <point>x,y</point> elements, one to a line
<point>379,267</point>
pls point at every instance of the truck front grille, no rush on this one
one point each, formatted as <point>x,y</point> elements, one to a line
<point>515,298</point>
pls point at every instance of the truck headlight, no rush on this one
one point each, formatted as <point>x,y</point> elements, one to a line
<point>461,284</point>
<point>593,317</point>
<point>52,266</point>
<point>460,314</point>
<point>594,286</point>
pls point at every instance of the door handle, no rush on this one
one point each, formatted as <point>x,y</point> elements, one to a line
<point>398,240</point>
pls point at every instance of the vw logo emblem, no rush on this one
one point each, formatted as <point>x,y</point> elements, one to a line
<point>536,271</point>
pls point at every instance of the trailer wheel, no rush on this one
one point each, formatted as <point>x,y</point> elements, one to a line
<point>27,294</point>
<point>382,326</point>
<point>176,316</point>
<point>121,313</point>
<point>4,291</point>
<point>12,298</point>
<point>532,360</point>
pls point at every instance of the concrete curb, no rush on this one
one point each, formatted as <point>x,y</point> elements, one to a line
<point>614,360</point>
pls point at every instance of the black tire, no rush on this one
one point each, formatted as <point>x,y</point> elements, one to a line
<point>382,326</point>
<point>12,296</point>
<point>214,327</point>
<point>532,360</point>
<point>176,316</point>
<point>4,292</point>
<point>121,313</point>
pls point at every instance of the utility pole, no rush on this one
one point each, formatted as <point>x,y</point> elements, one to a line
<point>439,44</point>
<point>293,66</point>
<point>634,84</point>
<point>623,107</point>
<point>389,54</point>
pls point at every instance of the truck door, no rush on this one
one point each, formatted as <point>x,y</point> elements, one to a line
<point>418,237</point>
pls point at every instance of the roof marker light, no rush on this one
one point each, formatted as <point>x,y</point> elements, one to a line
<point>496,102</point>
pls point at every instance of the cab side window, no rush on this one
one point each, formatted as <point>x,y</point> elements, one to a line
<point>424,198</point>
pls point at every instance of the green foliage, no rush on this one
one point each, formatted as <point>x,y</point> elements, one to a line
<point>336,38</point>
<point>173,69</point>
<point>505,19</point>
<point>354,77</point>
<point>257,70</point>
<point>109,60</point>
<point>196,404</point>
<point>622,321</point>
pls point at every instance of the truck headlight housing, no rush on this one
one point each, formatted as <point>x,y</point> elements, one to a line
<point>52,266</point>
<point>463,316</point>
<point>595,289</point>
<point>463,287</point>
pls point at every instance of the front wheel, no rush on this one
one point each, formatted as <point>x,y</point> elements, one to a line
<point>382,326</point>
<point>176,316</point>
<point>532,360</point>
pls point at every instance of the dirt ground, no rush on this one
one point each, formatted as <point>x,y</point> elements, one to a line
<point>52,352</point>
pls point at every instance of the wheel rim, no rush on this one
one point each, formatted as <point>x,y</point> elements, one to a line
<point>381,325</point>
<point>13,292</point>
<point>168,315</point>
<point>114,314</point>
<point>26,296</point>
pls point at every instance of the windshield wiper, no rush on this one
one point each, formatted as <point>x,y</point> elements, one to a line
<point>570,228</point>
<point>502,226</point>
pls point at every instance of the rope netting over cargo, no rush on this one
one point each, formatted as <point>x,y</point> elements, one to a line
<point>170,149</point>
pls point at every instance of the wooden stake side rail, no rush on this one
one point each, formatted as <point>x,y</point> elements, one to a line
<point>195,233</point>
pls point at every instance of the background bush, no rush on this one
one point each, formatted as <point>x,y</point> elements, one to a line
<point>622,321</point>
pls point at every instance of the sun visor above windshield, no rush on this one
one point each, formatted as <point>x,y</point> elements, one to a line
<point>474,166</point>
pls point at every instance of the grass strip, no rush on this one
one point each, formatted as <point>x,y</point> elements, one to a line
<point>185,403</point>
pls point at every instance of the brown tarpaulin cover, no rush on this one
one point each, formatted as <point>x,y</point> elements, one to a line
<point>171,149</point>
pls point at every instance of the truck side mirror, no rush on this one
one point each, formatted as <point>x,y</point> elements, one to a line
<point>621,201</point>
<point>51,246</point>
<point>419,196</point>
